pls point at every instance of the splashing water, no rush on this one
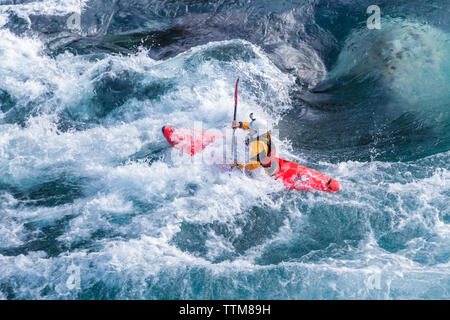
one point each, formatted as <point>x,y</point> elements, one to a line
<point>93,206</point>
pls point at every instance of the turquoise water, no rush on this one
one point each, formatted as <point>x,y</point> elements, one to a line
<point>93,205</point>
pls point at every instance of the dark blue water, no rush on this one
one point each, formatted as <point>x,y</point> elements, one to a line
<point>93,205</point>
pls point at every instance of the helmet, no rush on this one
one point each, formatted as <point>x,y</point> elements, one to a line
<point>259,126</point>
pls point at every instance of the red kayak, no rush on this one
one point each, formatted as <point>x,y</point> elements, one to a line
<point>294,176</point>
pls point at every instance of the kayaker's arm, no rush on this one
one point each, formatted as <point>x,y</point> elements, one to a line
<point>252,165</point>
<point>240,124</point>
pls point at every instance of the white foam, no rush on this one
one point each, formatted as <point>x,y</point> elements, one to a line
<point>46,7</point>
<point>159,195</point>
<point>11,230</point>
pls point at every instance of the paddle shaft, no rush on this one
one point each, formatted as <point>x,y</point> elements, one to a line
<point>234,142</point>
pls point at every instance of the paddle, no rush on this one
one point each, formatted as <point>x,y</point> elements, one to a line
<point>234,142</point>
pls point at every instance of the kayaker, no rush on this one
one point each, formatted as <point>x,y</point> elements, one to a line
<point>259,145</point>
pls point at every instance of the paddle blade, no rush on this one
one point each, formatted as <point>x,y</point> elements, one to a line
<point>236,98</point>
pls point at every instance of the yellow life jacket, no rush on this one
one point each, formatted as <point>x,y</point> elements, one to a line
<point>259,149</point>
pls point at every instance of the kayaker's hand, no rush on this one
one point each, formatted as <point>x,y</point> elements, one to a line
<point>232,164</point>
<point>235,124</point>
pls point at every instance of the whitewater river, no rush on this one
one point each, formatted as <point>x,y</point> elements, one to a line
<point>93,205</point>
